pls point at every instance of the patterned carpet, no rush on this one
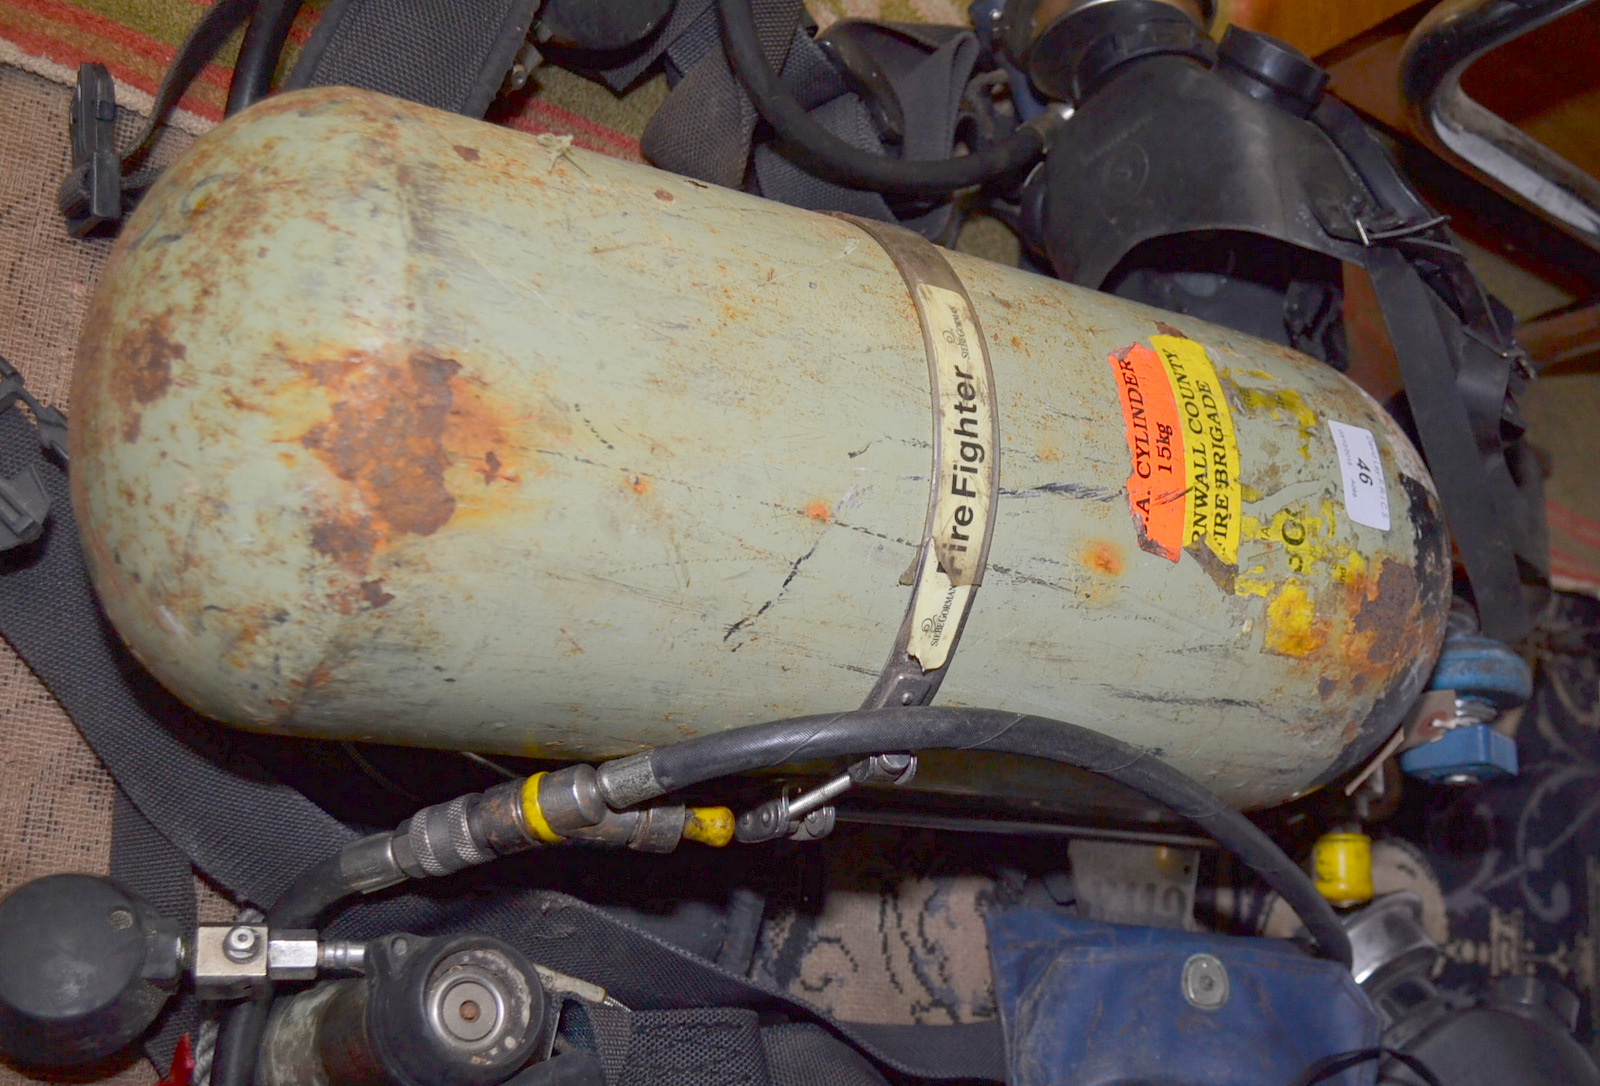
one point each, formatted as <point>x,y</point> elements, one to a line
<point>1519,859</point>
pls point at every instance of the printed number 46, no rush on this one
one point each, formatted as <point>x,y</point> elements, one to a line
<point>1364,473</point>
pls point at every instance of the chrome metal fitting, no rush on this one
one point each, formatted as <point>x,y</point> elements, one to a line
<point>1387,937</point>
<point>221,968</point>
<point>1050,121</point>
<point>498,822</point>
<point>293,955</point>
<point>659,829</point>
<point>438,840</point>
<point>233,961</point>
<point>651,829</point>
<point>343,956</point>
<point>816,825</point>
<point>767,822</point>
<point>1205,982</point>
<point>242,944</point>
<point>897,769</point>
<point>369,864</point>
<point>570,799</point>
<point>479,1005</point>
<point>624,782</point>
<point>800,818</point>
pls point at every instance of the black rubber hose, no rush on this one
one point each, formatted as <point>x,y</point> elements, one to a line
<point>842,735</point>
<point>239,1036</point>
<point>820,152</point>
<point>259,52</point>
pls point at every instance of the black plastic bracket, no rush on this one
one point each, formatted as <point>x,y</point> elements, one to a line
<point>24,503</point>
<point>91,195</point>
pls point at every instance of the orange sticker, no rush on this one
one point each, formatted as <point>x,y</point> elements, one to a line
<point>1155,449</point>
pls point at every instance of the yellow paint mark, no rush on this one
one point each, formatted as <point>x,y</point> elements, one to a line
<point>1348,566</point>
<point>1308,541</point>
<point>819,511</point>
<point>1282,403</point>
<point>1292,627</point>
<point>1249,493</point>
<point>1253,586</point>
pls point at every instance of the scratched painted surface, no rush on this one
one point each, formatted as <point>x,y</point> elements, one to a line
<point>395,425</point>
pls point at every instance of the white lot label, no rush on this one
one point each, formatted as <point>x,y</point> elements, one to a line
<point>1366,496</point>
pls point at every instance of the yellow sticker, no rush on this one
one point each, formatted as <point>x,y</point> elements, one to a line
<point>966,445</point>
<point>1212,500</point>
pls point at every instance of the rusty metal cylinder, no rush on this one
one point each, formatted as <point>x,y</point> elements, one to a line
<point>392,425</point>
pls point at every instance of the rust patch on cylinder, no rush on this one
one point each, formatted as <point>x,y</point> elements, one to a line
<point>819,511</point>
<point>1103,557</point>
<point>141,367</point>
<point>418,442</point>
<point>664,196</point>
<point>384,436</point>
<point>485,439</point>
<point>1223,576</point>
<point>1389,613</point>
<point>373,593</point>
<point>468,154</point>
<point>347,539</point>
<point>387,436</point>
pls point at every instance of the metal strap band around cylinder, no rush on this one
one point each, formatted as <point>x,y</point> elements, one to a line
<point>966,471</point>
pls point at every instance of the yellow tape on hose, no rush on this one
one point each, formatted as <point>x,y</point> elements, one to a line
<point>533,814</point>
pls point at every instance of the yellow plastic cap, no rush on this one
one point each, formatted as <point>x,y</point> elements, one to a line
<point>1341,866</point>
<point>709,825</point>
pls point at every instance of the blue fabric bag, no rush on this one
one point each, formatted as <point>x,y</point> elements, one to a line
<point>1086,1003</point>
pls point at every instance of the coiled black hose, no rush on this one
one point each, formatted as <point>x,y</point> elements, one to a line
<point>819,151</point>
<point>852,734</point>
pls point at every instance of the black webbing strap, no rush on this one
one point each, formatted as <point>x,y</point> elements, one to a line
<point>1462,374</point>
<point>928,68</point>
<point>1489,512</point>
<point>722,1046</point>
<point>252,835</point>
<point>449,54</point>
<point>705,127</point>
<point>712,1046</point>
<point>185,774</point>
<point>147,863</point>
